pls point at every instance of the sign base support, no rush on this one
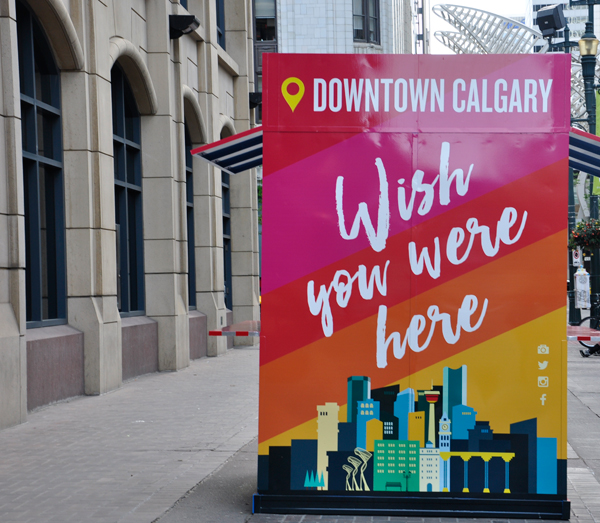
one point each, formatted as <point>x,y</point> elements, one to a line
<point>432,505</point>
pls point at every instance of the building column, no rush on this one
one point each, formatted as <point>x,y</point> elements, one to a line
<point>487,471</point>
<point>506,475</point>
<point>163,172</point>
<point>13,352</point>
<point>90,228</point>
<point>244,197</point>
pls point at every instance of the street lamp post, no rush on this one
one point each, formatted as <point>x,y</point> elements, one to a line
<point>588,47</point>
<point>574,313</point>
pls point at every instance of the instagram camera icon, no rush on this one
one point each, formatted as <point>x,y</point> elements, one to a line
<point>542,381</point>
<point>543,349</point>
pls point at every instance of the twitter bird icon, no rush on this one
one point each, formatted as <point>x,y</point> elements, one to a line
<point>542,364</point>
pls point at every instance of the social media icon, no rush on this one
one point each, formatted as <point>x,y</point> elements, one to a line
<point>543,349</point>
<point>542,381</point>
<point>543,399</point>
<point>542,365</point>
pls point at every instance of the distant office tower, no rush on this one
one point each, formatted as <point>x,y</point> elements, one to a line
<point>455,389</point>
<point>359,389</point>
<point>347,437</point>
<point>416,427</point>
<point>481,432</point>
<point>386,396</point>
<point>303,462</point>
<point>327,437</point>
<point>396,466</point>
<point>404,404</point>
<point>463,420</point>
<point>367,410</point>
<point>547,470</point>
<point>429,470</point>
<point>529,429</point>
<point>390,425</point>
<point>374,430</point>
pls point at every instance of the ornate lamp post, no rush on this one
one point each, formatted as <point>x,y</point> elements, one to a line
<point>588,48</point>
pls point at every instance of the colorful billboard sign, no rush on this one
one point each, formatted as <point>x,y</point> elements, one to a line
<point>413,307</point>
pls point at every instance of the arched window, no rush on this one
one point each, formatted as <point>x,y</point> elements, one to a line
<point>128,195</point>
<point>45,278</point>
<point>189,191</point>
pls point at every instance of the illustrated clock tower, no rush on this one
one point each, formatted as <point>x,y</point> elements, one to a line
<point>444,434</point>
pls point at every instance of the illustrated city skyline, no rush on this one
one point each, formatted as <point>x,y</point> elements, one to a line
<point>413,441</point>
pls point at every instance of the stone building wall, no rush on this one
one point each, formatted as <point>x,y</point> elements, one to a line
<point>191,80</point>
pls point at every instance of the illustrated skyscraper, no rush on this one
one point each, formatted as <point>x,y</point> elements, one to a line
<point>359,389</point>
<point>404,404</point>
<point>432,397</point>
<point>455,389</point>
<point>367,410</point>
<point>445,431</point>
<point>327,438</point>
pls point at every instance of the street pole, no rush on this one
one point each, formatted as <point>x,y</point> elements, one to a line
<point>574,313</point>
<point>588,46</point>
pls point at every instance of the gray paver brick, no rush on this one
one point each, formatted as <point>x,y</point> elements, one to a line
<point>106,458</point>
<point>129,455</point>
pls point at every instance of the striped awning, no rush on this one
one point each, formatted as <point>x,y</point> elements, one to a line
<point>236,153</point>
<point>584,152</point>
<point>244,151</point>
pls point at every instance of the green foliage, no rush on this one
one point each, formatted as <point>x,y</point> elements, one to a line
<point>586,235</point>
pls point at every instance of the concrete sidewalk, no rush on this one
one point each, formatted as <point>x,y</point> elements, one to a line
<point>130,455</point>
<point>223,497</point>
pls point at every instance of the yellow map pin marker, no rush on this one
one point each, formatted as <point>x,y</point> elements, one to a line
<point>292,99</point>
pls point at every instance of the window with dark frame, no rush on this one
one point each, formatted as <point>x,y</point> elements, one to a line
<point>189,191</point>
<point>221,23</point>
<point>45,268</point>
<point>128,195</point>
<point>265,29</point>
<point>366,21</point>
<point>226,240</point>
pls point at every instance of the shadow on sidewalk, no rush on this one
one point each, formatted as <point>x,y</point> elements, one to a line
<point>223,497</point>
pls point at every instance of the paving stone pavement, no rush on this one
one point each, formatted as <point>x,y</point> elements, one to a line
<point>206,503</point>
<point>140,453</point>
<point>129,455</point>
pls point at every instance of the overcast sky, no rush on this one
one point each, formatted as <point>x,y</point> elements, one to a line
<point>501,7</point>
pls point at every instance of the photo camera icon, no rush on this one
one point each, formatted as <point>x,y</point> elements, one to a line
<point>543,349</point>
<point>542,381</point>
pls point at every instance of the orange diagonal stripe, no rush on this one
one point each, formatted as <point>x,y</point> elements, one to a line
<point>291,387</point>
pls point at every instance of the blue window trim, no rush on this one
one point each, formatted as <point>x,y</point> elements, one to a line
<point>220,5</point>
<point>128,196</point>
<point>41,131</point>
<point>191,244</point>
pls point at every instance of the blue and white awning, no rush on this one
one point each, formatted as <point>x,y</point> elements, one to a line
<point>244,151</point>
<point>236,153</point>
<point>584,152</point>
